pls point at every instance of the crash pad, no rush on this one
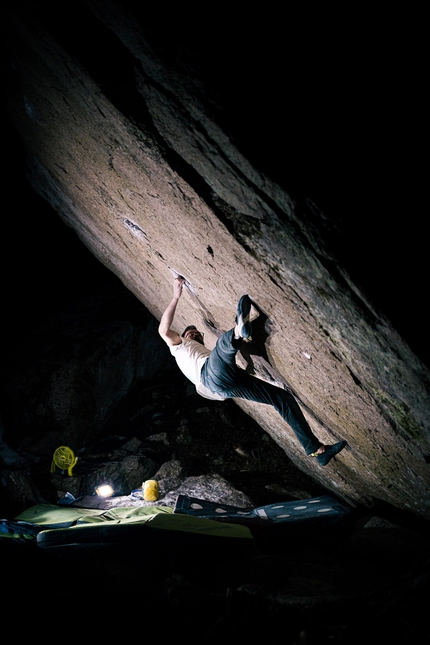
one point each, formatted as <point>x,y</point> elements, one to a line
<point>277,526</point>
<point>63,526</point>
<point>319,511</point>
<point>192,521</point>
<point>18,531</point>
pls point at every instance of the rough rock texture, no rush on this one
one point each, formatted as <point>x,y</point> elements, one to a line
<point>130,150</point>
<point>211,488</point>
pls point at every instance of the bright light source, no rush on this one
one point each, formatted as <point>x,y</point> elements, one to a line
<point>104,491</point>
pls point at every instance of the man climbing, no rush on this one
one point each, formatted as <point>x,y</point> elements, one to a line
<point>216,375</point>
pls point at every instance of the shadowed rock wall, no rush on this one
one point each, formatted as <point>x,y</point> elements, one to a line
<point>129,148</point>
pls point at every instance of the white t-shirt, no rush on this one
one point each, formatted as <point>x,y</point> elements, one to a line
<point>190,357</point>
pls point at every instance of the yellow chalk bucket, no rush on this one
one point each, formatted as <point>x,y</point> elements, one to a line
<point>150,490</point>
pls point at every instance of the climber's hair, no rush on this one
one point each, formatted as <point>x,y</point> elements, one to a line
<point>187,329</point>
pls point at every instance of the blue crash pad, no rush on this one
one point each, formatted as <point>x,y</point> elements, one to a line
<point>323,511</point>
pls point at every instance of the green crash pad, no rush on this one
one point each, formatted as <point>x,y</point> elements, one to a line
<point>64,526</point>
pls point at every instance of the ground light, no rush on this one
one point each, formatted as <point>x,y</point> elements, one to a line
<point>104,490</point>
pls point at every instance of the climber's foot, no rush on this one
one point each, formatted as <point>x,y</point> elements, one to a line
<point>243,325</point>
<point>329,452</point>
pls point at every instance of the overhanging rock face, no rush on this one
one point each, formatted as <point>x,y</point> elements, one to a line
<point>129,153</point>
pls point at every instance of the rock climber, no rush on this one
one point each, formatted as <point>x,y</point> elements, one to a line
<point>217,376</point>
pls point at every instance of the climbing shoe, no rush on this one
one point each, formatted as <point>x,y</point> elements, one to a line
<point>242,318</point>
<point>330,452</point>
